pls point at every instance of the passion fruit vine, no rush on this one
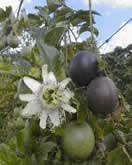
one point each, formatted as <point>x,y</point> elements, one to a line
<point>78,141</point>
<point>83,68</point>
<point>102,95</point>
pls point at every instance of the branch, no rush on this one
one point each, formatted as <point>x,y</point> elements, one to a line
<point>5,49</point>
<point>73,34</point>
<point>20,5</point>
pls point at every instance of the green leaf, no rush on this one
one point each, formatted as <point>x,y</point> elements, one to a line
<point>4,67</point>
<point>8,11</point>
<point>50,55</point>
<point>18,26</point>
<point>92,162</point>
<point>53,36</point>
<point>80,17</point>
<point>20,143</point>
<point>63,14</point>
<point>81,105</point>
<point>26,160</point>
<point>76,21</point>
<point>52,8</point>
<point>64,11</point>
<point>7,156</point>
<point>25,139</point>
<point>2,15</point>
<point>33,20</point>
<point>20,67</point>
<point>33,16</point>
<point>5,13</point>
<point>83,15</point>
<point>117,156</point>
<point>96,13</point>
<point>85,27</point>
<point>43,148</point>
<point>55,2</point>
<point>29,139</point>
<point>96,124</point>
<point>58,67</point>
<point>43,12</point>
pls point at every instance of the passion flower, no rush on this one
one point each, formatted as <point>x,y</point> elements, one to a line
<point>49,99</point>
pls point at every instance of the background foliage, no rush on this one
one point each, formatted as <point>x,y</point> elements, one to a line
<point>120,63</point>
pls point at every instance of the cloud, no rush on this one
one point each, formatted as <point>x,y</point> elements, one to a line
<point>13,3</point>
<point>112,3</point>
<point>123,38</point>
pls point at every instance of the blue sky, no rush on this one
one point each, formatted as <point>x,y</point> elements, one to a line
<point>114,14</point>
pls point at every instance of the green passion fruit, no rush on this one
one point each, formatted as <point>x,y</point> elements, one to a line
<point>12,41</point>
<point>78,141</point>
<point>102,95</point>
<point>83,68</point>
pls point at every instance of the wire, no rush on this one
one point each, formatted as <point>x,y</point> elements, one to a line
<point>107,40</point>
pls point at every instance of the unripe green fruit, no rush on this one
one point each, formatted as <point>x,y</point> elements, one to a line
<point>12,41</point>
<point>78,141</point>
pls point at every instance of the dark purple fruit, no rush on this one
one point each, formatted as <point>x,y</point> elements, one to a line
<point>83,68</point>
<point>102,95</point>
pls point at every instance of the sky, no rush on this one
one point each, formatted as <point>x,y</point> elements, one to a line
<point>114,13</point>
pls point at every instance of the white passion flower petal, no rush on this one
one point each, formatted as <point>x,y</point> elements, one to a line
<point>34,85</point>
<point>64,83</point>
<point>45,73</point>
<point>51,79</point>
<point>48,78</point>
<point>43,118</point>
<point>68,108</point>
<point>27,97</point>
<point>32,108</point>
<point>67,95</point>
<point>54,117</point>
